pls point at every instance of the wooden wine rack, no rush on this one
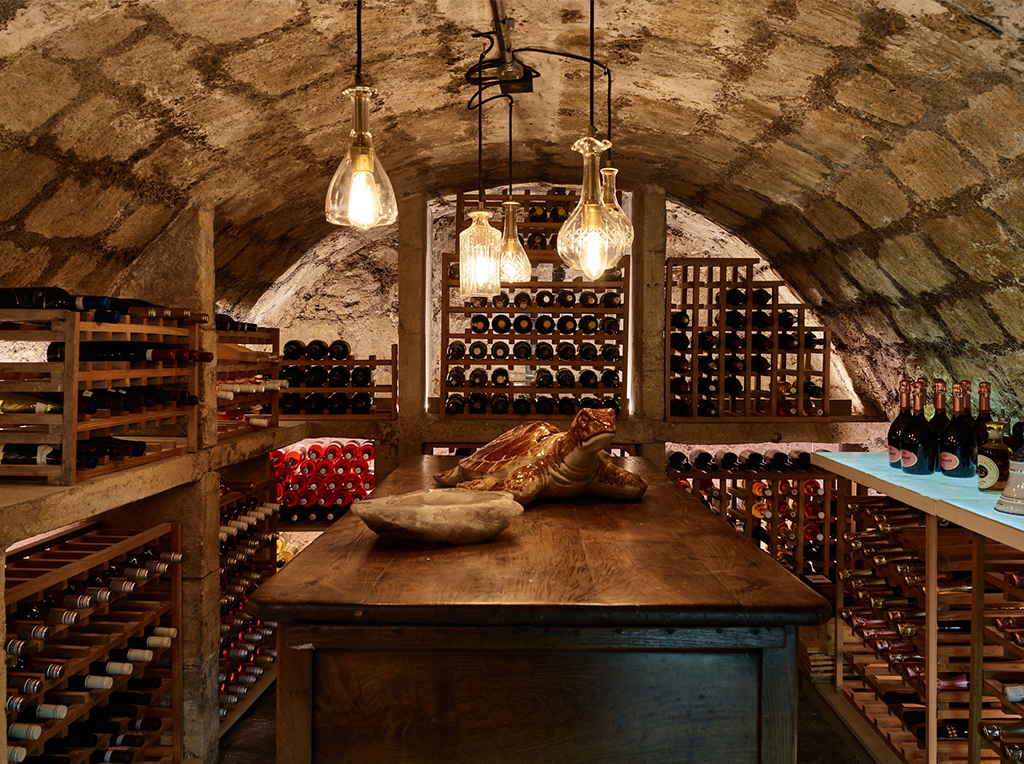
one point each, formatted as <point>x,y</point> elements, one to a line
<point>383,394</point>
<point>697,288</point>
<point>457,311</point>
<point>68,378</point>
<point>52,562</point>
<point>267,339</point>
<point>265,555</point>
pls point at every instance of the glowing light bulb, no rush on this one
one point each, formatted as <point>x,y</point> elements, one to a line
<point>363,202</point>
<point>594,254</point>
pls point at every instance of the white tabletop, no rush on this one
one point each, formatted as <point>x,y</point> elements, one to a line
<point>955,499</point>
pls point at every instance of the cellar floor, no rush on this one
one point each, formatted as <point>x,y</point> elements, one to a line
<point>252,739</point>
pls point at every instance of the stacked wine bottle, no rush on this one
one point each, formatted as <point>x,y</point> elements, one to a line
<point>734,349</point>
<point>961,446</point>
<point>325,381</point>
<point>72,412</point>
<point>89,647</point>
<point>542,348</point>
<point>773,497</point>
<point>248,388</point>
<point>319,480</point>
<point>885,643</point>
<point>248,556</point>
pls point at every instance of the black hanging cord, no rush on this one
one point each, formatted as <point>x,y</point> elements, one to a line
<point>480,137</point>
<point>510,102</point>
<point>608,74</point>
<point>591,63</point>
<point>359,41</point>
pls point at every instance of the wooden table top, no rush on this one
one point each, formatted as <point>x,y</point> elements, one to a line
<point>663,561</point>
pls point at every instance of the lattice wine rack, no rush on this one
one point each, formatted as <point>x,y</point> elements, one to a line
<point>734,350</point>
<point>93,616</point>
<point>72,388</point>
<point>381,389</point>
<point>252,401</point>
<point>542,349</point>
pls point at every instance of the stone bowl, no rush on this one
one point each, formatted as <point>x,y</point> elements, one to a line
<point>447,515</point>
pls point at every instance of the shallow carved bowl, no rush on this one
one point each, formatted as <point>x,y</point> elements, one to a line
<point>449,515</point>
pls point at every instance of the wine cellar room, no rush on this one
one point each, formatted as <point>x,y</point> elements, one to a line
<point>742,280</point>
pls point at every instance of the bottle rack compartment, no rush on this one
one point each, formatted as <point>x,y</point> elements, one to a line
<point>265,404</point>
<point>337,471</point>
<point>697,288</point>
<point>50,563</point>
<point>871,666</point>
<point>66,380</point>
<point>260,552</point>
<point>384,395</point>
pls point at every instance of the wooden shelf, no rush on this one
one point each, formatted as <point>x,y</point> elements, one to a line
<point>384,395</point>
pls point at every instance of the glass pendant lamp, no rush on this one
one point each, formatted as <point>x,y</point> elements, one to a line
<point>360,193</point>
<point>594,236</point>
<point>480,244</point>
<point>624,238</point>
<point>515,264</point>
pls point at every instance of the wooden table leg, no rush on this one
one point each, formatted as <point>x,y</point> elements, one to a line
<point>778,702</point>
<point>294,701</point>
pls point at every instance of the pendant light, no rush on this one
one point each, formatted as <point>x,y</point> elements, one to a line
<point>480,244</point>
<point>594,236</point>
<point>515,265</point>
<point>360,193</point>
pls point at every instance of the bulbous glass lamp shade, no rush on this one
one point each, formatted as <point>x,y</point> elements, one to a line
<point>592,237</point>
<point>479,258</point>
<point>611,202</point>
<point>360,193</point>
<point>515,264</point>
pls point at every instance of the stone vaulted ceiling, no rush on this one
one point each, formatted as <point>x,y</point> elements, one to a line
<point>872,150</point>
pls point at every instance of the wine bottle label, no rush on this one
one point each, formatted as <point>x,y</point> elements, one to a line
<point>988,472</point>
<point>894,455</point>
<point>948,461</point>
<point>908,458</point>
<point>41,453</point>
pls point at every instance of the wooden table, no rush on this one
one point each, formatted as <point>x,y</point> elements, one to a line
<point>588,631</point>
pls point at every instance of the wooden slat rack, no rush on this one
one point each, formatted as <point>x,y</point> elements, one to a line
<point>796,357</point>
<point>383,392</point>
<point>170,428</point>
<point>265,404</point>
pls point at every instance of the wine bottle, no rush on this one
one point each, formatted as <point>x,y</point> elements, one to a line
<point>610,379</point>
<point>479,324</point>
<point>478,350</point>
<point>733,319</point>
<point>48,298</point>
<point>97,351</point>
<point>545,405</point>
<point>522,324</point>
<point>544,351</point>
<point>589,324</point>
<point>940,419</point>
<point>361,403</point>
<point>588,378</point>
<point>501,324</point>
<point>610,325</point>
<point>918,444</point>
<point>611,353</point>
<point>566,406</point>
<point>588,351</point>
<point>545,299</point>
<point>362,376</point>
<point>677,461</point>
<point>339,376</point>
<point>565,379</point>
<point>680,319</point>
<point>545,325</point>
<point>588,300</point>
<point>522,300</point>
<point>958,451</point>
<point>543,379</point>
<point>760,342</point>
<point>679,341</point>
<point>981,432</point>
<point>455,404</point>
<point>895,433</point>
<point>537,213</point>
<point>478,378</point>
<point>566,298</point>
<point>522,350</point>
<point>499,351</point>
<point>521,405</point>
<point>566,351</point>
<point>338,350</point>
<point>567,325</point>
<point>993,458</point>
<point>499,403</point>
<point>727,460</point>
<point>679,386</point>
<point>703,461</point>
<point>499,378</point>
<point>316,350</point>
<point>500,300</point>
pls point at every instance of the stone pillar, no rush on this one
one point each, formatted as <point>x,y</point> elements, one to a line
<point>413,246</point>
<point>648,299</point>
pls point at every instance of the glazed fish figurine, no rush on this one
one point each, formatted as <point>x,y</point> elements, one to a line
<point>536,460</point>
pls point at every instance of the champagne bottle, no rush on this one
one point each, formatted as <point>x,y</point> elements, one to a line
<point>958,451</point>
<point>918,444</point>
<point>895,433</point>
<point>981,432</point>
<point>940,419</point>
